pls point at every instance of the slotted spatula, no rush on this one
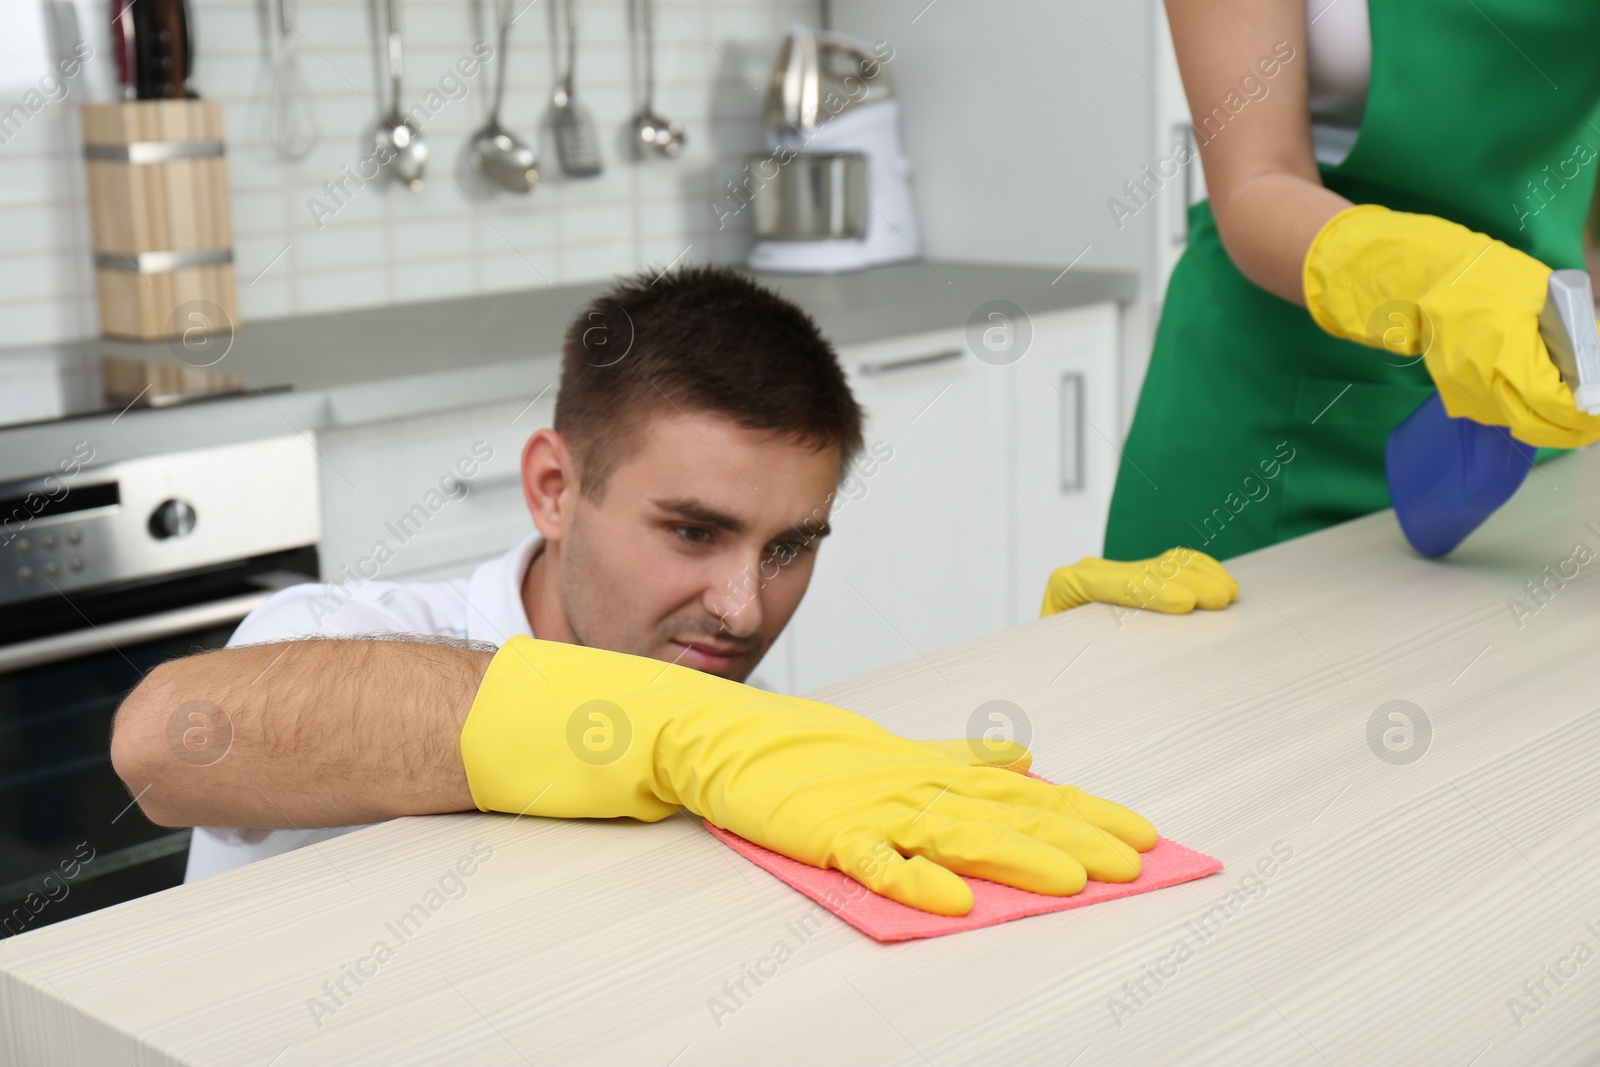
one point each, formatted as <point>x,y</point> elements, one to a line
<point>577,143</point>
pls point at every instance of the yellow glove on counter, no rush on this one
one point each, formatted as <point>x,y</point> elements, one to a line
<point>1177,582</point>
<point>572,732</point>
<point>1480,301</point>
<point>985,752</point>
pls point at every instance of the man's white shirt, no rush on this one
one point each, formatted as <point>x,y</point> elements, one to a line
<point>485,607</point>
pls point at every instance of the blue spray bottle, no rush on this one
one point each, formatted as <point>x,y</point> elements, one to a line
<point>1446,476</point>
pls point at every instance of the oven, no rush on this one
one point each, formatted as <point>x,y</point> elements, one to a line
<point>106,571</point>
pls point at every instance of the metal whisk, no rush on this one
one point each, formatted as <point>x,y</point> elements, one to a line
<point>291,123</point>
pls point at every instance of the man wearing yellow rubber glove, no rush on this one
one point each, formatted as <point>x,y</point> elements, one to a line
<point>705,456</point>
<point>1175,582</point>
<point>573,732</point>
<point>1479,325</point>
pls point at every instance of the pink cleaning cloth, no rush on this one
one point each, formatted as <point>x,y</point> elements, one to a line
<point>1168,863</point>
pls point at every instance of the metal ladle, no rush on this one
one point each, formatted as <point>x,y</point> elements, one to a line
<point>403,141</point>
<point>654,134</point>
<point>501,156</point>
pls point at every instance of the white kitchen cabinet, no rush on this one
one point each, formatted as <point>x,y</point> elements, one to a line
<point>996,475</point>
<point>1063,462</point>
<point>392,503</point>
<point>916,560</point>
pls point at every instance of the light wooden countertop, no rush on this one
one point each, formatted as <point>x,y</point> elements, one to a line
<point>1408,903</point>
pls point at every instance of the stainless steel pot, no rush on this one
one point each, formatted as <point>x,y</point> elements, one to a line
<point>812,197</point>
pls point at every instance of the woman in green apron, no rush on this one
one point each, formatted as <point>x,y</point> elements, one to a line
<point>1265,409</point>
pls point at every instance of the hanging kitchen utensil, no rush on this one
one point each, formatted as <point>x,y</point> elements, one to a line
<point>399,142</point>
<point>500,155</point>
<point>291,122</point>
<point>577,145</point>
<point>653,135</point>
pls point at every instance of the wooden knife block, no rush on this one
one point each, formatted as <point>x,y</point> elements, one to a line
<point>163,232</point>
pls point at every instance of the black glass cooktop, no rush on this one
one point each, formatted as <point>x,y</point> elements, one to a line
<point>52,384</point>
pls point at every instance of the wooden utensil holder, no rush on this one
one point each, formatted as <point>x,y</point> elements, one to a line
<point>163,232</point>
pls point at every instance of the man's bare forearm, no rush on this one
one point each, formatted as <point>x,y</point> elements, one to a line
<point>325,732</point>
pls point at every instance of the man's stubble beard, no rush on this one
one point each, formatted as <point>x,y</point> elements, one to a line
<point>611,631</point>
<point>577,593</point>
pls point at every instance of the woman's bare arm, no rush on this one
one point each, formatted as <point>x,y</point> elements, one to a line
<point>325,732</point>
<point>1261,172</point>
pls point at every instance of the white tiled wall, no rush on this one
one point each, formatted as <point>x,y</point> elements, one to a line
<point>390,245</point>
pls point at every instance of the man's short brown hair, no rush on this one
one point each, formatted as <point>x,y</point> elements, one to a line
<point>699,339</point>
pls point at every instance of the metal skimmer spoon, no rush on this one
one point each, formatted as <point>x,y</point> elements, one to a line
<point>577,145</point>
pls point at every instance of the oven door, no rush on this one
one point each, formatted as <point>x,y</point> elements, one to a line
<point>72,838</point>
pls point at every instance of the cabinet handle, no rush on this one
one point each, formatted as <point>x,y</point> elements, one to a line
<point>887,365</point>
<point>1071,432</point>
<point>58,647</point>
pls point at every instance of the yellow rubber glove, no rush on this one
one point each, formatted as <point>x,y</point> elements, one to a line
<point>1370,268</point>
<point>572,732</point>
<point>985,752</point>
<point>1177,581</point>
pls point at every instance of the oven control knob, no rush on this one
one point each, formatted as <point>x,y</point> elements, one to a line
<point>171,518</point>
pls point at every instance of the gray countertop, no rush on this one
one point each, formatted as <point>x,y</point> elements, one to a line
<point>351,367</point>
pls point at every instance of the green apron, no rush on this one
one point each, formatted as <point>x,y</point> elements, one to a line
<point>1253,425</point>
